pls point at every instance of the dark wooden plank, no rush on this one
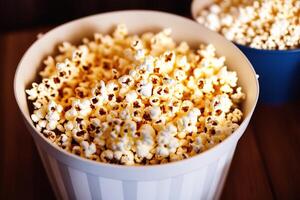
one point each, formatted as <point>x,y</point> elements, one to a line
<point>293,112</point>
<point>247,178</point>
<point>22,174</point>
<point>2,56</point>
<point>278,136</point>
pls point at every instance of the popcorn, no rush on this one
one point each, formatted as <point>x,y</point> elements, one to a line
<point>132,100</point>
<point>235,116</point>
<point>127,158</point>
<point>267,24</point>
<point>126,81</point>
<point>77,150</point>
<point>63,141</point>
<point>107,155</point>
<point>89,149</point>
<point>79,135</point>
<point>183,48</point>
<point>49,135</point>
<point>120,32</point>
<point>197,145</point>
<point>167,142</point>
<point>222,103</point>
<point>145,88</point>
<point>155,112</point>
<point>143,150</point>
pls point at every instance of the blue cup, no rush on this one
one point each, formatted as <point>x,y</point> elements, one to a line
<point>279,73</point>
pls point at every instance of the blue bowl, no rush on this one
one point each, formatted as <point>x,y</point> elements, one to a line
<point>279,73</point>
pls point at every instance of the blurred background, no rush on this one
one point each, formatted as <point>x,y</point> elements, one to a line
<point>19,14</point>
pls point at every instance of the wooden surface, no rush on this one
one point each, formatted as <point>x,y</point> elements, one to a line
<point>266,164</point>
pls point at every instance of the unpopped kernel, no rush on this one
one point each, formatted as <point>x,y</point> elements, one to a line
<point>135,100</point>
<point>266,24</point>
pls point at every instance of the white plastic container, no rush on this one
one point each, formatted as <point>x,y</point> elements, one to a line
<point>73,177</point>
<point>198,5</point>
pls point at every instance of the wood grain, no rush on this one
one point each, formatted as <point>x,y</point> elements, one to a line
<point>265,165</point>
<point>22,172</point>
<point>278,136</point>
<point>247,178</point>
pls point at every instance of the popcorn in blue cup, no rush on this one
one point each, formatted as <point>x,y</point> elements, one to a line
<point>268,32</point>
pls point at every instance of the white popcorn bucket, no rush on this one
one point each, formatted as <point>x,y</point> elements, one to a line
<point>73,177</point>
<point>197,5</point>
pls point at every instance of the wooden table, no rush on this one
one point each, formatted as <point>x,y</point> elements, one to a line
<point>266,164</point>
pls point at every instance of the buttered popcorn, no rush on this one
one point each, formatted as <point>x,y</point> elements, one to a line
<point>136,100</point>
<point>265,24</point>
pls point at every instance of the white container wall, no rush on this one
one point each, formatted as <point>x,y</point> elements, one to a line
<point>199,177</point>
